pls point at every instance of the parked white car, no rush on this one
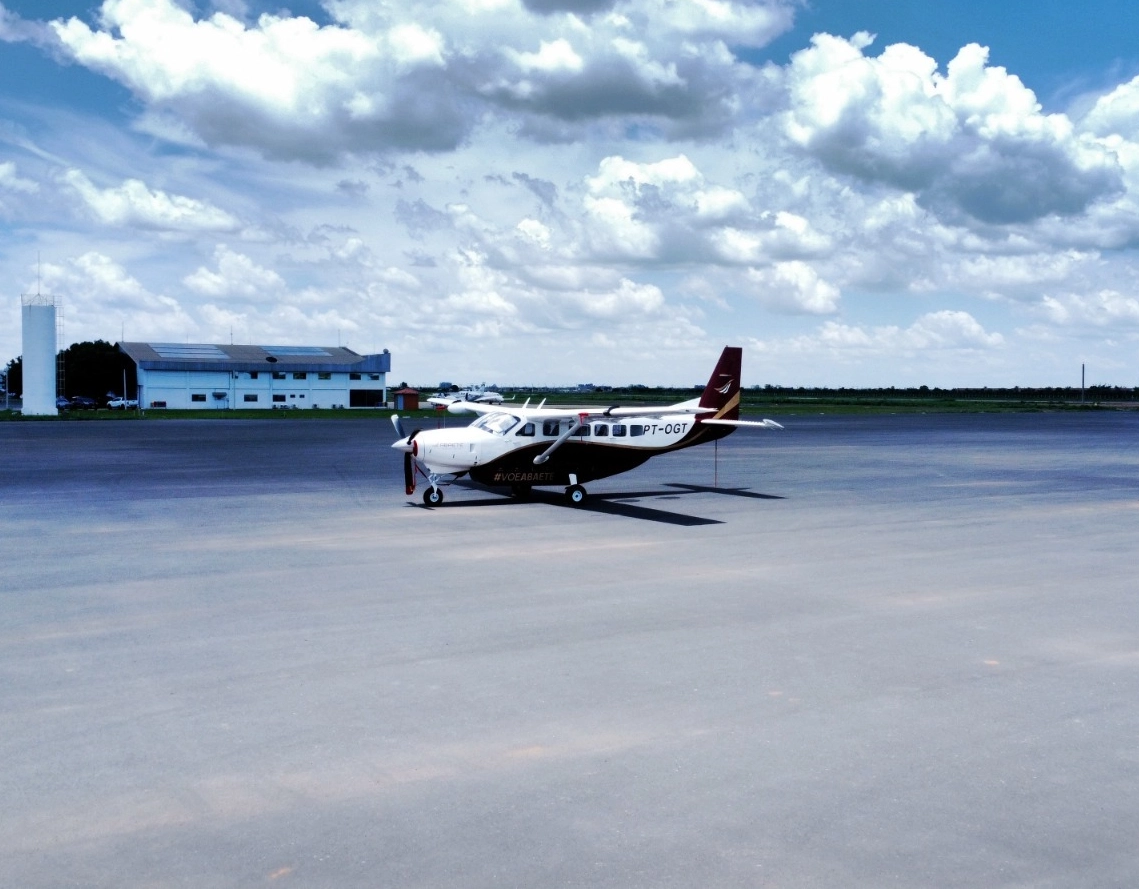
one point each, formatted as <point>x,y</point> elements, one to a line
<point>116,403</point>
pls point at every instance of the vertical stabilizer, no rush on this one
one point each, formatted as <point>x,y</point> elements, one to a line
<point>722,394</point>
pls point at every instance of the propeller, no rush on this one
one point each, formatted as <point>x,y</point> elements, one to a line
<point>408,467</point>
<point>406,443</point>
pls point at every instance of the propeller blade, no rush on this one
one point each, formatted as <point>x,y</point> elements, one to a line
<point>398,426</point>
<point>408,473</point>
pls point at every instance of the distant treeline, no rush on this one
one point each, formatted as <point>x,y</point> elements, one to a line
<point>888,397</point>
<point>1063,394</point>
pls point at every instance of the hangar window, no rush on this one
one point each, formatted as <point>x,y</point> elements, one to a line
<point>278,375</point>
<point>300,375</point>
<point>324,376</point>
<point>250,396</point>
<point>253,375</point>
<point>277,399</point>
<point>636,430</point>
<point>353,376</point>
<point>197,396</point>
<point>373,376</point>
<point>618,430</point>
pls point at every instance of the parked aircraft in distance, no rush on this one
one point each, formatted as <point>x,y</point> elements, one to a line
<point>477,395</point>
<point>522,447</point>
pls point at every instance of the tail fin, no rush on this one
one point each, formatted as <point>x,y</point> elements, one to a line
<point>722,394</point>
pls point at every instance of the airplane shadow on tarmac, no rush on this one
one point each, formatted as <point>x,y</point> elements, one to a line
<point>622,503</point>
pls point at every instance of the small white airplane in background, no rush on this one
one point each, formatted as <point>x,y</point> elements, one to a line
<point>470,396</point>
<point>526,446</point>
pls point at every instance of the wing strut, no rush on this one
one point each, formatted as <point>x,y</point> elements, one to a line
<point>560,440</point>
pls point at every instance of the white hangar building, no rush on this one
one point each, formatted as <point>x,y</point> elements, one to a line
<point>203,376</point>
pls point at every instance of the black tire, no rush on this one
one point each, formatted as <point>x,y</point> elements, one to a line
<point>433,497</point>
<point>575,495</point>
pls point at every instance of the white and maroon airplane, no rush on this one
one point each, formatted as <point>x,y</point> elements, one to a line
<point>527,446</point>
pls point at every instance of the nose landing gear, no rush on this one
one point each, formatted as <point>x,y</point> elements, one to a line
<point>433,496</point>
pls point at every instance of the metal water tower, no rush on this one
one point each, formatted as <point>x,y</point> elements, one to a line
<point>40,355</point>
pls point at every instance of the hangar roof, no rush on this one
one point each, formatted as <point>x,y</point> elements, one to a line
<point>215,357</point>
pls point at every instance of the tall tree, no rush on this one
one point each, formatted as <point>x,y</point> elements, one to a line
<point>95,369</point>
<point>15,371</point>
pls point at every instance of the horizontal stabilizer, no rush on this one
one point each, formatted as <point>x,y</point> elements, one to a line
<point>746,424</point>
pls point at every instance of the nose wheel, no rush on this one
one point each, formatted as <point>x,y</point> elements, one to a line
<point>575,495</point>
<point>433,496</point>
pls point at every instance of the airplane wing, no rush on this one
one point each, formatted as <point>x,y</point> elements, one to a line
<point>683,408</point>
<point>472,407</point>
<point>564,413</point>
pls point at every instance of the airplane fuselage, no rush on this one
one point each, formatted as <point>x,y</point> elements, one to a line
<point>500,448</point>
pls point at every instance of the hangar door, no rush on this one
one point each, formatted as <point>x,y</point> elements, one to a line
<point>365,397</point>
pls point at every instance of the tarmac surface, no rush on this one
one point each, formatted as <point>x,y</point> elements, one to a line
<point>889,651</point>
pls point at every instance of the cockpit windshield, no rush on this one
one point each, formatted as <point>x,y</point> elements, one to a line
<point>496,424</point>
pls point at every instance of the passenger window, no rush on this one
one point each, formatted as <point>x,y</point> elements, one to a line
<point>584,430</point>
<point>601,429</point>
<point>636,430</point>
<point>551,427</point>
<point>618,430</point>
<point>528,429</point>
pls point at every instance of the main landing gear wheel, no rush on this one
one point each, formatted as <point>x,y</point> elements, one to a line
<point>575,494</point>
<point>433,497</point>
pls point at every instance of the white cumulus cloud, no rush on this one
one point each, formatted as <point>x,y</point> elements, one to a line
<point>102,298</point>
<point>382,77</point>
<point>944,330</point>
<point>1105,308</point>
<point>135,204</point>
<point>972,141</point>
<point>794,287</point>
<point>626,302</point>
<point>284,85</point>
<point>1116,113</point>
<point>236,275</point>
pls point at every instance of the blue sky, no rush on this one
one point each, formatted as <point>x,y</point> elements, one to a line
<point>1055,47</point>
<point>553,191</point>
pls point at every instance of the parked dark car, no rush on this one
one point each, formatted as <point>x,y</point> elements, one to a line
<point>62,403</point>
<point>83,403</point>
